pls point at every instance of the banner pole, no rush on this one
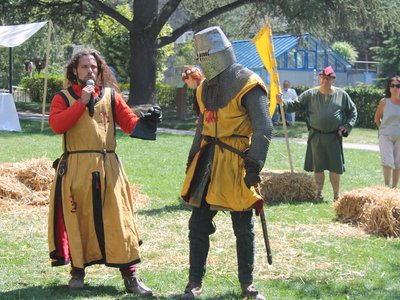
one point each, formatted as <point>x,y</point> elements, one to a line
<point>46,73</point>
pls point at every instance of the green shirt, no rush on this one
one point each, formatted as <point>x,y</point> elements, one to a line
<point>325,115</point>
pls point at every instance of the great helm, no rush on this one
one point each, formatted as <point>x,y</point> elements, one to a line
<point>214,51</point>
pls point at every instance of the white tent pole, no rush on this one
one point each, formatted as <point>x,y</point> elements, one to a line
<point>46,72</point>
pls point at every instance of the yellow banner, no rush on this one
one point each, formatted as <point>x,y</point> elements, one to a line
<point>265,49</point>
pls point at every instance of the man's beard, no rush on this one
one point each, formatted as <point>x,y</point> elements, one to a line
<point>81,82</point>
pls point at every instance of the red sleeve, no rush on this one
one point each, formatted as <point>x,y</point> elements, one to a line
<point>62,117</point>
<point>125,117</point>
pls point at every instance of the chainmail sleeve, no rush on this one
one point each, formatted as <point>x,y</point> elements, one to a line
<point>196,140</point>
<point>256,103</point>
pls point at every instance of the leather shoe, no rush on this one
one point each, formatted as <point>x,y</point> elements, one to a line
<point>76,282</point>
<point>250,292</point>
<point>192,290</point>
<point>134,285</point>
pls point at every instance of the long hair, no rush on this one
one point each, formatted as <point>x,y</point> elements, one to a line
<point>105,76</point>
<point>388,94</point>
<point>194,73</point>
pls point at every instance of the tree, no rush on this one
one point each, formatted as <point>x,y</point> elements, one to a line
<point>389,57</point>
<point>150,16</point>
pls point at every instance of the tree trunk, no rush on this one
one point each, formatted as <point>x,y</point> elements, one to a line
<point>142,70</point>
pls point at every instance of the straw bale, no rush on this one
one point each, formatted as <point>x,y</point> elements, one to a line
<point>12,188</point>
<point>28,183</point>
<point>7,170</point>
<point>281,186</point>
<point>37,174</point>
<point>375,209</point>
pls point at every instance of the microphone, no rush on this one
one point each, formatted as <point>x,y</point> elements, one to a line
<point>90,104</point>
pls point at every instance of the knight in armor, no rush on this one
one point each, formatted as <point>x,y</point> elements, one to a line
<point>223,166</point>
<point>91,214</point>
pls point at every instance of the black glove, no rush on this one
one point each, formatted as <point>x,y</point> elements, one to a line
<point>153,115</point>
<point>253,168</point>
<point>146,127</point>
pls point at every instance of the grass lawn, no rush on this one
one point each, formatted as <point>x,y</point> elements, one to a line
<point>315,257</point>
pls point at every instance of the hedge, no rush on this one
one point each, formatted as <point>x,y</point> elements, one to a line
<point>35,85</point>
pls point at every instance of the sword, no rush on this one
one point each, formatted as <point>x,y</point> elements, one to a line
<point>265,234</point>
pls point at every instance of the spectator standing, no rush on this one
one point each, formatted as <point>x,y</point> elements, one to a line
<point>287,94</point>
<point>387,119</point>
<point>330,115</point>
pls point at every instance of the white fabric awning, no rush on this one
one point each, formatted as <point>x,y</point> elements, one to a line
<point>15,35</point>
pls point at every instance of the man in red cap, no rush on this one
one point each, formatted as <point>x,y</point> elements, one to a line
<point>330,114</point>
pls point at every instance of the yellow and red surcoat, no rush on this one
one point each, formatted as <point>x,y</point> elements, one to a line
<point>91,217</point>
<point>231,125</point>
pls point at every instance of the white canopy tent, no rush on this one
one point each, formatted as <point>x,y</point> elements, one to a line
<point>14,35</point>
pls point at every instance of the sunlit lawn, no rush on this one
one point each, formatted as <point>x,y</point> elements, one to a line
<point>314,256</point>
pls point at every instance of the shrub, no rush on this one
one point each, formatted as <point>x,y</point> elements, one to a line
<point>35,85</point>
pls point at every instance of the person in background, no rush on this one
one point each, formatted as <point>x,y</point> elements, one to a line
<point>287,94</point>
<point>330,114</point>
<point>91,215</point>
<point>387,119</point>
<point>193,77</point>
<point>223,167</point>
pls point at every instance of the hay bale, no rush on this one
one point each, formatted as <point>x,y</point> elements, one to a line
<point>7,170</point>
<point>284,186</point>
<point>37,174</point>
<point>12,188</point>
<point>350,206</point>
<point>29,182</point>
<point>375,209</point>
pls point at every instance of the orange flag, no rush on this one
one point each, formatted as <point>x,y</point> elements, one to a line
<point>265,49</point>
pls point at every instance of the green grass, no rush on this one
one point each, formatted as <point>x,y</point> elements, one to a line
<point>315,257</point>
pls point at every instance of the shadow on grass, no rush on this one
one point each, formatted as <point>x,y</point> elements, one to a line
<point>294,202</point>
<point>92,292</point>
<point>301,288</point>
<point>61,292</point>
<point>164,209</point>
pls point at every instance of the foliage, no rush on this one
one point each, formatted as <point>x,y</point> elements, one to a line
<point>184,54</point>
<point>111,39</point>
<point>346,50</point>
<point>163,54</point>
<point>34,49</point>
<point>366,99</point>
<point>389,57</point>
<point>35,85</point>
<point>149,17</point>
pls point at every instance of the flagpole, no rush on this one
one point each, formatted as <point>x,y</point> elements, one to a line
<point>269,60</point>
<point>46,74</point>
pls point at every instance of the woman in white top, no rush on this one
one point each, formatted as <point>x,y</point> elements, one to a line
<point>387,119</point>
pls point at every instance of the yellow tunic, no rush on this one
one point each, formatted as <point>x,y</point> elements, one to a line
<point>227,189</point>
<point>96,203</point>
